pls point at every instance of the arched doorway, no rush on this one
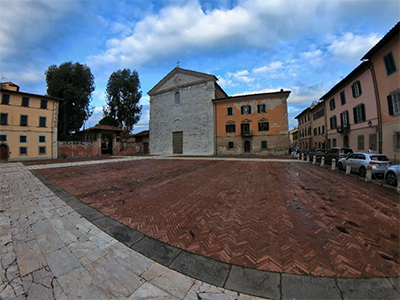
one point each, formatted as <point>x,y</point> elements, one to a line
<point>247,147</point>
<point>4,152</point>
<point>346,141</point>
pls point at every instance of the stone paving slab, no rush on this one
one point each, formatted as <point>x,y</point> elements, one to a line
<point>81,267</point>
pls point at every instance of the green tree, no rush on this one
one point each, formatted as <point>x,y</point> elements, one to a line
<point>122,96</point>
<point>108,120</point>
<point>75,84</point>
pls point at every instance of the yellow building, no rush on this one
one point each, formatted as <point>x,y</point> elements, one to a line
<point>28,125</point>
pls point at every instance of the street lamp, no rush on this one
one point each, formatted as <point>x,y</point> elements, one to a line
<point>369,124</point>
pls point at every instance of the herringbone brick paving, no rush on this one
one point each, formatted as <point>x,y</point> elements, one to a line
<point>284,217</point>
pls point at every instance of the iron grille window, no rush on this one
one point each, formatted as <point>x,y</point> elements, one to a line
<point>23,139</point>
<point>42,150</point>
<point>3,138</point>
<point>42,139</point>
<point>230,145</point>
<point>5,99</point>
<point>264,144</point>
<point>25,102</point>
<point>372,141</point>
<point>23,150</point>
<point>389,63</point>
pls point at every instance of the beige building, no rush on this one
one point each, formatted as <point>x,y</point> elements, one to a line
<point>28,127</point>
<point>318,125</point>
<point>305,129</point>
<point>294,137</point>
<point>384,63</point>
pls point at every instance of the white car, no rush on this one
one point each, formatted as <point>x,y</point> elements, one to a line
<point>391,174</point>
<point>360,161</point>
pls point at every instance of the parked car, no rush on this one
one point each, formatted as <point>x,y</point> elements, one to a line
<point>317,152</point>
<point>360,161</point>
<point>336,153</point>
<point>391,174</point>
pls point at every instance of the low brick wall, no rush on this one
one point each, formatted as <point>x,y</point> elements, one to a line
<point>90,149</point>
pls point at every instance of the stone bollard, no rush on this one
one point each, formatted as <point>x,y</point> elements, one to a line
<point>314,160</point>
<point>398,181</point>
<point>348,167</point>
<point>333,164</point>
<point>322,161</point>
<point>302,157</point>
<point>368,176</point>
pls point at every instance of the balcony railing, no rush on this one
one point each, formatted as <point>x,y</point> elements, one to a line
<point>247,133</point>
<point>342,129</point>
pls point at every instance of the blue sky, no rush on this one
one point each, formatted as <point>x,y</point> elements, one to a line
<point>305,46</point>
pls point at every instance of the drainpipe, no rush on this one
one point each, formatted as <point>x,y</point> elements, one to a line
<point>378,106</point>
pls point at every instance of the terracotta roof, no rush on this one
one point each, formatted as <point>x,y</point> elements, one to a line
<point>144,132</point>
<point>104,127</point>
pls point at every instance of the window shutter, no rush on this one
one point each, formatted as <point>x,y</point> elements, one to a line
<point>242,109</point>
<point>267,126</point>
<point>259,127</point>
<point>352,90</point>
<point>359,87</point>
<point>331,122</point>
<point>355,115</point>
<point>390,105</point>
<point>227,128</point>
<point>249,109</point>
<point>363,117</point>
<point>234,127</point>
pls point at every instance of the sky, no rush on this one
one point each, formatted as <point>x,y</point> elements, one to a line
<point>251,46</point>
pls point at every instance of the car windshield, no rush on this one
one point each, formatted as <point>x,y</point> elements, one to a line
<point>379,157</point>
<point>347,151</point>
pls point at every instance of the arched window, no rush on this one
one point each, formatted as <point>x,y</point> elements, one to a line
<point>177,98</point>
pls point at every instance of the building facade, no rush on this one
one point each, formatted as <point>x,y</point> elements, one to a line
<point>351,112</point>
<point>294,137</point>
<point>384,62</point>
<point>254,124</point>
<point>318,126</point>
<point>28,127</point>
<point>182,113</point>
<point>305,129</point>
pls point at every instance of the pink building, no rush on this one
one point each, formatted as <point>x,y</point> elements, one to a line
<point>351,112</point>
<point>384,60</point>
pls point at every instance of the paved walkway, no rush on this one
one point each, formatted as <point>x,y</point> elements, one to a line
<point>50,251</point>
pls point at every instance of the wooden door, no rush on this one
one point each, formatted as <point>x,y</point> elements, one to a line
<point>177,142</point>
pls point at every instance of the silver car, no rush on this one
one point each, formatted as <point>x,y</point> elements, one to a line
<point>360,161</point>
<point>391,174</point>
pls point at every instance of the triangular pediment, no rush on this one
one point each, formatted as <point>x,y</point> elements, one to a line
<point>179,78</point>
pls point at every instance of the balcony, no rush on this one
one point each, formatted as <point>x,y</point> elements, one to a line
<point>247,133</point>
<point>343,129</point>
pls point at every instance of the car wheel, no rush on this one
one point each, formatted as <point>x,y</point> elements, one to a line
<point>391,178</point>
<point>340,166</point>
<point>362,172</point>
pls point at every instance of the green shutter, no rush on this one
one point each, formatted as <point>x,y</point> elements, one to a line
<point>355,115</point>
<point>363,117</point>
<point>390,105</point>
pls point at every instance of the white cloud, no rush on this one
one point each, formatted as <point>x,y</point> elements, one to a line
<point>351,47</point>
<point>272,68</point>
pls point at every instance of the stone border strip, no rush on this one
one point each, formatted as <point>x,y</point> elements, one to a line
<point>244,280</point>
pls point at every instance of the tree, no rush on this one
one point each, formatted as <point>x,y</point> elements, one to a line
<point>108,120</point>
<point>74,83</point>
<point>122,96</point>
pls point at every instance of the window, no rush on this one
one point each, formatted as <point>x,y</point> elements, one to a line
<point>42,149</point>
<point>359,113</point>
<point>333,142</point>
<point>356,89</point>
<point>332,104</point>
<point>372,141</point>
<point>229,111</point>
<point>342,98</point>
<point>246,110</point>
<point>177,98</point>
<point>263,126</point>
<point>42,139</point>
<point>5,99</point>
<point>360,142</point>
<point>3,119</point>
<point>42,121</point>
<point>315,131</point>
<point>230,128</point>
<point>3,138</point>
<point>24,120</point>
<point>389,63</point>
<point>397,140</point>
<point>394,103</point>
<point>230,145</point>
<point>264,144</point>
<point>309,130</point>
<point>43,104</point>
<point>23,150</point>
<point>323,129</point>
<point>329,143</point>
<point>23,139</point>
<point>261,108</point>
<point>319,130</point>
<point>333,122</point>
<point>344,120</point>
<point>25,102</point>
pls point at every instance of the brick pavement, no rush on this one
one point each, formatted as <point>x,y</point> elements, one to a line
<point>287,217</point>
<point>48,251</point>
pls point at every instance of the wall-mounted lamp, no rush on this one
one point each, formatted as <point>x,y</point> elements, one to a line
<point>369,123</point>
